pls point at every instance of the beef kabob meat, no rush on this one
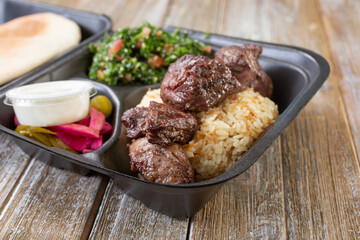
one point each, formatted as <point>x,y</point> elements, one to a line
<point>195,83</point>
<point>134,119</point>
<point>160,123</point>
<point>156,154</point>
<point>161,164</point>
<point>167,124</point>
<point>245,68</point>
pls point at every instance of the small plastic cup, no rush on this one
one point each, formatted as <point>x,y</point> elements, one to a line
<point>51,103</point>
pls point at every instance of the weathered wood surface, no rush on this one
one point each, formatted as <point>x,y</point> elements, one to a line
<point>121,216</point>
<point>342,24</point>
<point>306,186</point>
<point>46,202</point>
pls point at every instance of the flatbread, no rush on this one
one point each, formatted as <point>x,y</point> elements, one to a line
<point>29,41</point>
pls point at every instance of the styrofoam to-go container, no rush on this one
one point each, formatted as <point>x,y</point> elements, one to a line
<point>51,103</point>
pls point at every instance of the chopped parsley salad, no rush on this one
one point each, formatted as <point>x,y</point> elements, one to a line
<point>140,55</point>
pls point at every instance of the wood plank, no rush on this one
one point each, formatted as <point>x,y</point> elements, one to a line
<point>198,15</point>
<point>13,163</point>
<point>320,177</point>
<point>121,216</point>
<point>342,23</point>
<point>63,3</point>
<point>123,13</point>
<point>322,200</point>
<point>126,13</point>
<point>330,171</point>
<point>49,203</point>
<point>250,206</point>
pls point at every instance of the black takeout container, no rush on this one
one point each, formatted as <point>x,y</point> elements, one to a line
<point>93,26</point>
<point>297,75</point>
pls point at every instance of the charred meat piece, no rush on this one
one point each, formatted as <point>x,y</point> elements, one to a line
<point>134,120</point>
<point>161,164</point>
<point>160,123</point>
<point>244,66</point>
<point>195,83</point>
<point>166,124</point>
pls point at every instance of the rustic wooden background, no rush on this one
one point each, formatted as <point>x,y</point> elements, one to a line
<point>306,186</point>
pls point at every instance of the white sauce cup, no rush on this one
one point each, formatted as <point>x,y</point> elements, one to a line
<point>51,103</point>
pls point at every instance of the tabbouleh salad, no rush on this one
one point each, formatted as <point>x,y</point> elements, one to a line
<point>140,55</point>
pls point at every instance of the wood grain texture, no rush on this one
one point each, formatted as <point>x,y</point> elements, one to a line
<point>314,178</point>
<point>198,15</point>
<point>122,217</point>
<point>342,24</point>
<point>321,184</point>
<point>128,12</point>
<point>48,203</point>
<point>12,164</point>
<point>123,13</point>
<point>320,204</point>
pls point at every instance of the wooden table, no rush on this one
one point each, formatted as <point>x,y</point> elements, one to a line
<point>306,186</point>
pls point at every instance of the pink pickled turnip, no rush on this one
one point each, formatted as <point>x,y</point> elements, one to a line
<point>96,143</point>
<point>97,119</point>
<point>76,143</point>
<point>84,121</point>
<point>85,135</point>
<point>106,129</point>
<point>75,129</point>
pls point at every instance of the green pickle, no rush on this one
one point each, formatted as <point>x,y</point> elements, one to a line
<point>25,129</point>
<point>42,135</point>
<point>56,142</point>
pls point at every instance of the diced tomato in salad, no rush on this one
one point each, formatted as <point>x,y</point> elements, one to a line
<point>100,73</point>
<point>156,61</point>
<point>116,47</point>
<point>207,49</point>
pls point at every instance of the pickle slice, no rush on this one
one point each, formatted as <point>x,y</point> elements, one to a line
<point>42,135</point>
<point>32,129</point>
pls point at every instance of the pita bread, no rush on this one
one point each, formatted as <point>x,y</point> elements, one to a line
<point>29,41</point>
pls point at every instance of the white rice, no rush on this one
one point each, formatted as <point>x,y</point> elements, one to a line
<point>226,131</point>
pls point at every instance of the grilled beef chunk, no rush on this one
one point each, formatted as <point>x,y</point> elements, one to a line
<point>134,120</point>
<point>166,124</point>
<point>160,123</point>
<point>195,83</point>
<point>161,164</point>
<point>244,66</point>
